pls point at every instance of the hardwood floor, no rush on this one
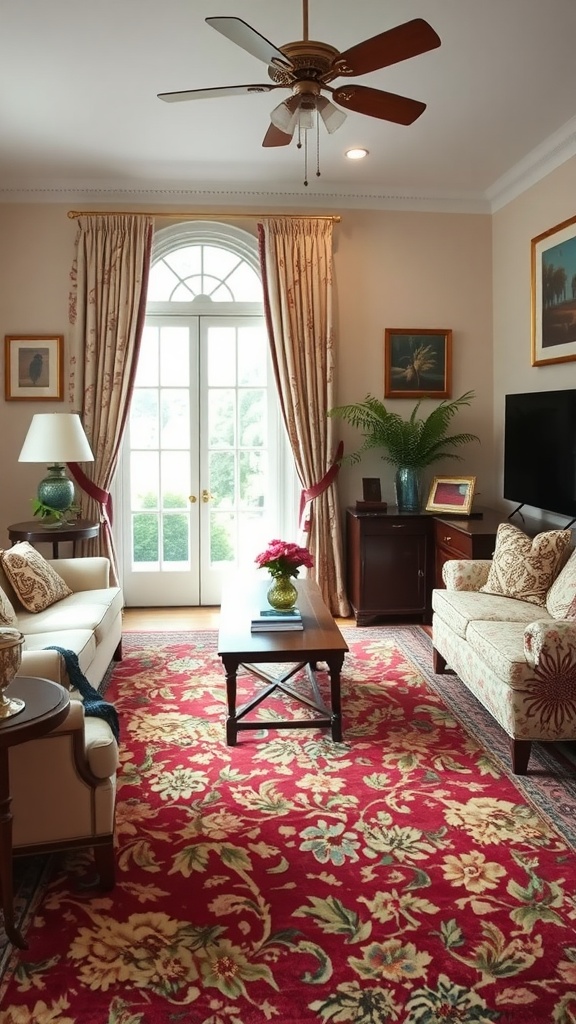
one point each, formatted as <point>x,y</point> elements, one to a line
<point>161,620</point>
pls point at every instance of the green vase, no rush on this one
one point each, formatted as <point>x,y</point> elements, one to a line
<point>282,593</point>
<point>407,483</point>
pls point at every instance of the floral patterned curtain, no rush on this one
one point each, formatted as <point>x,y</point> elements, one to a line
<point>297,271</point>
<point>107,310</point>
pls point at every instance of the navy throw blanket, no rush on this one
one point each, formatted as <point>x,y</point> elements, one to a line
<point>94,703</point>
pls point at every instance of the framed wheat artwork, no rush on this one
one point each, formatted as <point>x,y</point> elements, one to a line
<point>417,363</point>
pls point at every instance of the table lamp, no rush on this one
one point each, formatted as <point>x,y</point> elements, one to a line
<point>56,438</point>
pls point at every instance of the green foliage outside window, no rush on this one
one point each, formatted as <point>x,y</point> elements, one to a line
<point>146,541</point>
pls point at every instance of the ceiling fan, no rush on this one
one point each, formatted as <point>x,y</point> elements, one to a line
<point>306,67</point>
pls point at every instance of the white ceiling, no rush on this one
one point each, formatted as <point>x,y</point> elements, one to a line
<point>79,114</point>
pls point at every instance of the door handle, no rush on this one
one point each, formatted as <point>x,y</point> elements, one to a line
<point>206,496</point>
<point>192,499</point>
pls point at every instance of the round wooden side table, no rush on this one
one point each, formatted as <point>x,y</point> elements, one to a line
<point>36,533</point>
<point>45,706</point>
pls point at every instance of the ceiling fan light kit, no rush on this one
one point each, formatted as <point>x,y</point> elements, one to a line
<point>306,67</point>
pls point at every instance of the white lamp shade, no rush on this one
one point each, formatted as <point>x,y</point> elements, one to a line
<point>56,437</point>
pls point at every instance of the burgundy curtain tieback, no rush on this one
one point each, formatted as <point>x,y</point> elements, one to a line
<point>104,498</point>
<point>309,493</point>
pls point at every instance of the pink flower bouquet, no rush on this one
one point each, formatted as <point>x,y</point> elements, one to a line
<point>283,559</point>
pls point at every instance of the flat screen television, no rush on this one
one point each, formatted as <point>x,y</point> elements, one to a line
<point>540,450</point>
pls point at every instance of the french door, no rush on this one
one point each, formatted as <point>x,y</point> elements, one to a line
<point>205,479</point>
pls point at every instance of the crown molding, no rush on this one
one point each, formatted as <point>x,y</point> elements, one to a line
<point>247,196</point>
<point>546,157</point>
<point>541,161</point>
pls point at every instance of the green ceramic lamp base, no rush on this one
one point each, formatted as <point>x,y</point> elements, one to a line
<point>56,489</point>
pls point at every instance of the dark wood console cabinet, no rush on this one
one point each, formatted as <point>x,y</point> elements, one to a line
<point>394,560</point>
<point>388,564</point>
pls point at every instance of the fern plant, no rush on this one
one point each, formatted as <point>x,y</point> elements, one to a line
<point>415,442</point>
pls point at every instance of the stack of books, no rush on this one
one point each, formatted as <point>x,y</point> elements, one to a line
<point>270,619</point>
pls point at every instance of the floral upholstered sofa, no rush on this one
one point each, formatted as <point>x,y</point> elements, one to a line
<point>507,628</point>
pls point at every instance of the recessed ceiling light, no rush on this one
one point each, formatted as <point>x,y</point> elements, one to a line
<point>356,154</point>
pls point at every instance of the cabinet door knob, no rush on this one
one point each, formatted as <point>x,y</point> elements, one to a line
<point>448,539</point>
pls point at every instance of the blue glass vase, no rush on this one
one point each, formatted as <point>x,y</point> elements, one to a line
<point>408,481</point>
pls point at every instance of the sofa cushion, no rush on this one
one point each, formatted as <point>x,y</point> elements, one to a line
<point>458,608</point>
<point>561,598</point>
<point>90,609</point>
<point>7,613</point>
<point>36,583</point>
<point>525,567</point>
<point>500,646</point>
<point>81,641</point>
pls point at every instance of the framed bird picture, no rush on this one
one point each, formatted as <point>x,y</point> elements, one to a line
<point>417,363</point>
<point>34,367</point>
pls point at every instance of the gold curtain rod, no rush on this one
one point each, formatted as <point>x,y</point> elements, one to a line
<point>74,214</point>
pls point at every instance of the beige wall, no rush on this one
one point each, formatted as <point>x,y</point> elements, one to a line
<point>415,270</point>
<point>392,270</point>
<point>36,252</point>
<point>540,208</point>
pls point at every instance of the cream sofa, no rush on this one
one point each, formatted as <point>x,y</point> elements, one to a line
<point>88,622</point>
<point>517,657</point>
<point>63,785</point>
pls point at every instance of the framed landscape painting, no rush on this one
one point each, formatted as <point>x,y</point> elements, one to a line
<point>417,363</point>
<point>554,295</point>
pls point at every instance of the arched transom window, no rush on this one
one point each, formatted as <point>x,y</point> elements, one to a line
<point>204,269</point>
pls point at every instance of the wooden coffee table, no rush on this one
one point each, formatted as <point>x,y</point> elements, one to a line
<point>320,640</point>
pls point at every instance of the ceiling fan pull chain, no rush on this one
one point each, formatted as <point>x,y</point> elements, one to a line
<point>306,158</point>
<point>317,144</point>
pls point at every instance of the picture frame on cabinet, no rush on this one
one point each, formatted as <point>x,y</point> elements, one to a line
<point>553,294</point>
<point>34,367</point>
<point>417,363</point>
<point>371,488</point>
<point>452,494</point>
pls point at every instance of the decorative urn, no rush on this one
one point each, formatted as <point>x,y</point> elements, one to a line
<point>11,641</point>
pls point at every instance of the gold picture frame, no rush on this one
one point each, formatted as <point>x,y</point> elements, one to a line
<point>553,294</point>
<point>417,363</point>
<point>453,494</point>
<point>34,367</point>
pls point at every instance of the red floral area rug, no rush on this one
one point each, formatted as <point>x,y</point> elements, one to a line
<point>402,875</point>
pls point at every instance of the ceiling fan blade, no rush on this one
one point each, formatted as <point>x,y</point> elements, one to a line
<point>274,137</point>
<point>376,103</point>
<point>224,90</point>
<point>400,43</point>
<point>239,32</point>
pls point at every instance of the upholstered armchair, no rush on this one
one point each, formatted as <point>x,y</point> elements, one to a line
<point>63,788</point>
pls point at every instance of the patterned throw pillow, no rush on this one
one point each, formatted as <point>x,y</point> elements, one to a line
<point>7,613</point>
<point>525,567</point>
<point>561,598</point>
<point>35,582</point>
